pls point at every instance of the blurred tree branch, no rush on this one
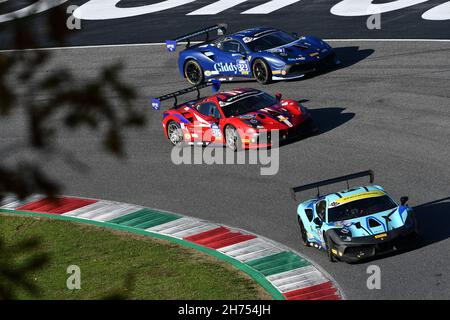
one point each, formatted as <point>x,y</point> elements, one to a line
<point>14,269</point>
<point>104,103</point>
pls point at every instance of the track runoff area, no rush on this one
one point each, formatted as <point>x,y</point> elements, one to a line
<point>372,100</point>
<point>285,274</point>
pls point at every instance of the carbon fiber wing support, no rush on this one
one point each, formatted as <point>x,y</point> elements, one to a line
<point>221,30</point>
<point>156,102</point>
<point>317,185</point>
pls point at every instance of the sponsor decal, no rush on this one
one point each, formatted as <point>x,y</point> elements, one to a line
<point>225,67</point>
<point>241,67</point>
<point>210,73</point>
<point>285,121</point>
<point>300,58</point>
<point>334,204</point>
<point>156,104</point>
<point>215,130</point>
<point>171,45</point>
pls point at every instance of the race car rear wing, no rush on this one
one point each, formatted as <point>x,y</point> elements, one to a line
<point>156,102</point>
<point>172,44</point>
<point>319,184</point>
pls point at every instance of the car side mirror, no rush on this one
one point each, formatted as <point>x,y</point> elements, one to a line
<point>404,200</point>
<point>278,96</point>
<point>295,35</point>
<point>244,54</point>
<point>317,222</point>
<point>358,225</point>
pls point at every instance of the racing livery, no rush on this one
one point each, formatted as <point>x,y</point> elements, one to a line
<point>239,118</point>
<point>263,53</point>
<point>355,223</point>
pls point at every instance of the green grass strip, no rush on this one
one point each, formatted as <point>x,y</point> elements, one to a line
<point>277,263</point>
<point>255,275</point>
<point>145,218</point>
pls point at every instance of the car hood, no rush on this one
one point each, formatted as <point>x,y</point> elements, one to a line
<point>302,50</point>
<point>374,223</point>
<point>274,117</point>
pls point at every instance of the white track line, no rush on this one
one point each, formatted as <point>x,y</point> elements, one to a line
<point>195,42</point>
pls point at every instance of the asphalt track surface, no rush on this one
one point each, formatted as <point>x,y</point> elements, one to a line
<point>386,109</point>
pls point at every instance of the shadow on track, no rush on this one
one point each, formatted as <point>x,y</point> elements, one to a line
<point>326,119</point>
<point>330,118</point>
<point>434,221</point>
<point>352,55</point>
<point>348,57</point>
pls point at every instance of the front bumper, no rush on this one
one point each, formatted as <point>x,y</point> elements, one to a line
<point>306,127</point>
<point>361,248</point>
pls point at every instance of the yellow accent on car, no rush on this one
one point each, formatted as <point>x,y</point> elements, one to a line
<point>334,251</point>
<point>381,235</point>
<point>359,196</point>
<point>313,54</point>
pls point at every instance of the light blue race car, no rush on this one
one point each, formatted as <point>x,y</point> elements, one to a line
<point>355,223</point>
<point>262,53</point>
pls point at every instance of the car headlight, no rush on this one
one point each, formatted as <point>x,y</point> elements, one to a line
<point>344,234</point>
<point>280,51</point>
<point>254,123</point>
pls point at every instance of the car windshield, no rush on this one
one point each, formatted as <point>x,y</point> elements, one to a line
<point>360,208</point>
<point>248,104</point>
<point>271,40</point>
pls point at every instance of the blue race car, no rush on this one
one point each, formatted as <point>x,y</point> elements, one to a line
<point>265,54</point>
<point>355,223</point>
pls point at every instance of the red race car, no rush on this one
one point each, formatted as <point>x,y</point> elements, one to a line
<point>237,118</point>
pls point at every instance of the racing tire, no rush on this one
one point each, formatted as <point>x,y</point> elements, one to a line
<point>232,138</point>
<point>174,133</point>
<point>303,232</point>
<point>193,72</point>
<point>330,254</point>
<point>261,71</point>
